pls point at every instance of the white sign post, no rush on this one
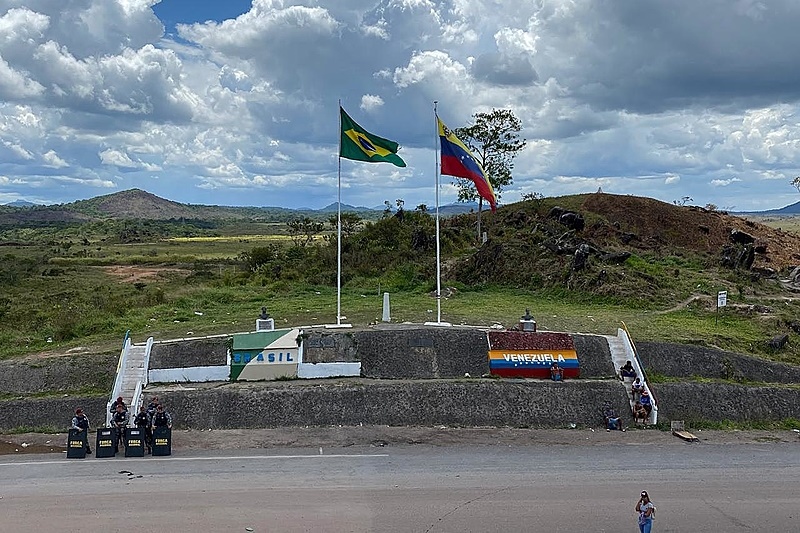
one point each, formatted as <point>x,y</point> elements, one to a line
<point>722,298</point>
<point>722,301</point>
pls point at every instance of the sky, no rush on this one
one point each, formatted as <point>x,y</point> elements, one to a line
<point>236,102</point>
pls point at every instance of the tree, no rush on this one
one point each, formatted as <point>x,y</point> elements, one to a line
<point>302,231</point>
<point>683,201</point>
<point>494,141</point>
<point>796,183</point>
<point>350,223</point>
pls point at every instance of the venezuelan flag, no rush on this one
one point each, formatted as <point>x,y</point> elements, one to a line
<point>532,363</point>
<point>459,162</point>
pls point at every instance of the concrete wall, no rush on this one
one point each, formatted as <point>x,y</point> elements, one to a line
<point>329,347</point>
<point>484,402</point>
<point>430,402</point>
<point>594,356</point>
<point>53,413</point>
<point>722,401</point>
<point>53,374</point>
<point>683,360</point>
<point>328,370</point>
<point>189,353</point>
<point>422,353</point>
<point>195,374</point>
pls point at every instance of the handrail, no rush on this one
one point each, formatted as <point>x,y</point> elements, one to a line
<point>146,367</point>
<point>639,367</point>
<point>136,401</point>
<point>138,394</point>
<point>123,357</point>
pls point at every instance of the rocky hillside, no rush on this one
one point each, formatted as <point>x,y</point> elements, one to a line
<point>620,245</point>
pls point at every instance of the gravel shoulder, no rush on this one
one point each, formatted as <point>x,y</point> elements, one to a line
<point>382,436</point>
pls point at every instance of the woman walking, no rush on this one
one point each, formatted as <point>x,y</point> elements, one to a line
<point>646,510</point>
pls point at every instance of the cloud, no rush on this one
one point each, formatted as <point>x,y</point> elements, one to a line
<point>51,159</point>
<point>724,183</point>
<point>117,159</point>
<point>370,102</point>
<point>636,97</point>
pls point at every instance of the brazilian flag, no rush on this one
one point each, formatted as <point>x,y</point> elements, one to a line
<point>360,145</point>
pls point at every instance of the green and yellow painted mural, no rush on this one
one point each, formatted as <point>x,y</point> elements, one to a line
<point>265,355</point>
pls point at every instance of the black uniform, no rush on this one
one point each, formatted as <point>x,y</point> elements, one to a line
<point>142,421</point>
<point>162,418</point>
<point>119,421</point>
<point>81,422</point>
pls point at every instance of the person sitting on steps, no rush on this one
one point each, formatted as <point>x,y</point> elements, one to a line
<point>627,371</point>
<point>636,389</point>
<point>640,414</point>
<point>646,401</point>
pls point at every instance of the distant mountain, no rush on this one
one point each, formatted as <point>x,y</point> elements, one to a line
<point>792,209</point>
<point>334,207</point>
<point>20,203</point>
<point>136,204</point>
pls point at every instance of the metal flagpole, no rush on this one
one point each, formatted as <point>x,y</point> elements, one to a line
<point>438,247</point>
<point>339,230</point>
<point>438,240</point>
<point>339,235</point>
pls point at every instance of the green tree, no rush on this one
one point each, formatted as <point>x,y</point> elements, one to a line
<point>350,223</point>
<point>494,140</point>
<point>302,231</point>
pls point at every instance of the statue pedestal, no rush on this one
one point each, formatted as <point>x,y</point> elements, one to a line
<point>265,324</point>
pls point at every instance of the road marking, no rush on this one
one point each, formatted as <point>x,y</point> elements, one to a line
<point>219,458</point>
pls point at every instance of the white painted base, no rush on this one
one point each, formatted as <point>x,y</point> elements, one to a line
<point>196,374</point>
<point>328,370</point>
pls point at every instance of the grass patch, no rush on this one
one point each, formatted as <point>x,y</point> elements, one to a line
<point>727,425</point>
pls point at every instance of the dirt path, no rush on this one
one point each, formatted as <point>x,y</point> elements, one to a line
<point>380,436</point>
<point>710,302</point>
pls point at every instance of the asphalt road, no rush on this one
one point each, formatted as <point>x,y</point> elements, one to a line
<point>696,488</point>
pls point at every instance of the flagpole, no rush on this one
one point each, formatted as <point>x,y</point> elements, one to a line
<point>438,240</point>
<point>438,246</point>
<point>339,229</point>
<point>339,235</point>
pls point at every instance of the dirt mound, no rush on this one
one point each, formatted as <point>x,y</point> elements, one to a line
<point>646,223</point>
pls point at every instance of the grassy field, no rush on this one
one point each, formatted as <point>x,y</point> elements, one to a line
<point>68,288</point>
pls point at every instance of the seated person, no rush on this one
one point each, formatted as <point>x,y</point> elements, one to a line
<point>627,371</point>
<point>612,420</point>
<point>636,389</point>
<point>646,401</point>
<point>556,373</point>
<point>640,414</point>
<point>118,401</point>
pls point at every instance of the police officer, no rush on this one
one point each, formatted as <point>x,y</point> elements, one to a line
<point>162,418</point>
<point>119,422</point>
<point>118,401</point>
<point>143,421</point>
<point>80,422</point>
<point>152,406</point>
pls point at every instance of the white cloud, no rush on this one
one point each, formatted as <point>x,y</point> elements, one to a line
<point>370,102</point>
<point>724,183</point>
<point>117,159</point>
<point>634,97</point>
<point>51,159</point>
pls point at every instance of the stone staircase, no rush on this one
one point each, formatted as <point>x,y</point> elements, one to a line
<point>131,375</point>
<point>133,372</point>
<point>620,354</point>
